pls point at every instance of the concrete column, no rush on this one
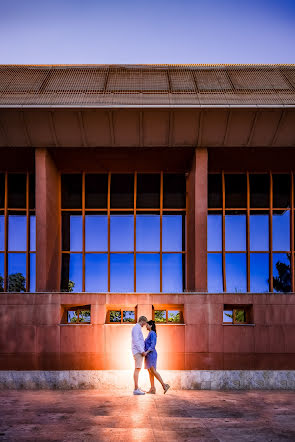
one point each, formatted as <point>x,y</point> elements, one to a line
<point>48,234</point>
<point>197,184</point>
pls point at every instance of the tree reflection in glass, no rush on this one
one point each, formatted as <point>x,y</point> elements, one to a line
<point>282,272</point>
<point>16,272</point>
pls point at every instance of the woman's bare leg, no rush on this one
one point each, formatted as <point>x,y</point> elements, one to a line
<point>158,376</point>
<point>152,380</point>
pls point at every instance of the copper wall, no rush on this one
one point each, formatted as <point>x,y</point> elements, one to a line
<point>33,338</point>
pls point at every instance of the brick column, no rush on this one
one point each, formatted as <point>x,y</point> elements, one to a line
<point>197,186</point>
<point>48,259</point>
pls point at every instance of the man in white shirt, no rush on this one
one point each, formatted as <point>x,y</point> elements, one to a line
<point>138,351</point>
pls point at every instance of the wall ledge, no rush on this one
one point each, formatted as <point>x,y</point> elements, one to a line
<point>122,379</point>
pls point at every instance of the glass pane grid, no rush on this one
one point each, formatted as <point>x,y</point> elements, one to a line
<point>136,240</point>
<point>228,236</point>
<point>17,232</point>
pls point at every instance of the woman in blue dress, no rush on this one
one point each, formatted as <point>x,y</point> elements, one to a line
<point>151,355</point>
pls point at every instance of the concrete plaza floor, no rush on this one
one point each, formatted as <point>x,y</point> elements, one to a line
<point>91,415</point>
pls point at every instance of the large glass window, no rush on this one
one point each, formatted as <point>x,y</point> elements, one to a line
<point>125,233</point>
<point>17,232</point>
<point>249,237</point>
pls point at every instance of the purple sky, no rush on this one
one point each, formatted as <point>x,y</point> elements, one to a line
<point>163,31</point>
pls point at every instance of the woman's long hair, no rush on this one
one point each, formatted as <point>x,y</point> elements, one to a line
<point>152,323</point>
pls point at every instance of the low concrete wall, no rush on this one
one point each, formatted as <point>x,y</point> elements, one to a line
<point>122,379</point>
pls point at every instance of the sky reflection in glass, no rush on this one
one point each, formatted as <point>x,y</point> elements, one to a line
<point>259,235</point>
<point>75,233</point>
<point>32,272</point>
<point>122,272</point>
<point>235,233</point>
<point>214,269</point>
<point>148,233</point>
<point>214,229</point>
<point>147,272</point>
<point>281,272</point>
<point>259,272</point>
<point>2,230</point>
<point>32,233</point>
<point>122,233</point>
<point>172,273</point>
<point>172,233</point>
<point>76,271</point>
<point>236,277</point>
<point>96,272</point>
<point>281,231</point>
<point>16,264</point>
<point>96,233</point>
<point>17,232</point>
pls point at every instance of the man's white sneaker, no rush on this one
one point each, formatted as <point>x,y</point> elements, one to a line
<point>138,392</point>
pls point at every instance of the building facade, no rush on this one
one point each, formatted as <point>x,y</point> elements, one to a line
<point>164,191</point>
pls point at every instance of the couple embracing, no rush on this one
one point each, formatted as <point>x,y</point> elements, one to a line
<point>146,349</point>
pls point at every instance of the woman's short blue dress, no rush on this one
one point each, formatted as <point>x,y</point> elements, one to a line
<point>150,344</point>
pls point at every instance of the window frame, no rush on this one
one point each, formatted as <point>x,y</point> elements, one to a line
<point>248,309</point>
<point>168,308</point>
<point>28,211</point>
<point>77,308</point>
<point>270,210</point>
<point>121,309</point>
<point>134,212</point>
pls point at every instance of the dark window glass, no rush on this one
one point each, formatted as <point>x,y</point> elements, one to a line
<point>122,191</point>
<point>96,191</point>
<point>17,233</point>
<point>281,230</point>
<point>96,233</point>
<point>2,230</point>
<point>259,232</point>
<point>235,233</point>
<point>174,191</point>
<point>71,272</point>
<point>236,274</point>
<point>17,191</point>
<point>122,233</point>
<point>115,315</point>
<point>259,191</point>
<point>16,272</point>
<point>148,191</point>
<point>175,316</point>
<point>259,272</point>
<point>128,316</point>
<point>172,266</point>
<point>214,232</point>
<point>71,191</point>
<point>147,272</point>
<point>281,190</point>
<point>33,233</point>
<point>160,315</point>
<point>96,272</point>
<point>228,316</point>
<point>173,233</point>
<point>281,272</point>
<point>32,272</point>
<point>235,191</point>
<point>2,190</point>
<point>214,273</point>
<point>214,191</point>
<point>148,233</point>
<point>122,272</point>
<point>72,232</point>
<point>32,191</point>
